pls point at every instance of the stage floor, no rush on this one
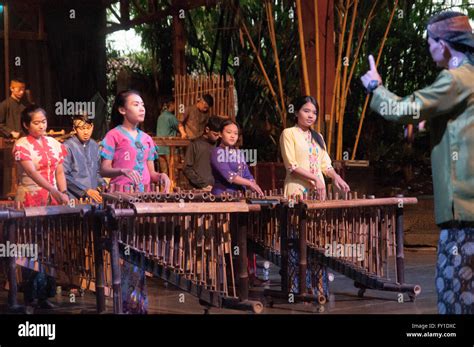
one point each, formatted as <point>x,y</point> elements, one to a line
<point>163,299</point>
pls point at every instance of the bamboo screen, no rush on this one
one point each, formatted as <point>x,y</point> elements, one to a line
<point>188,88</point>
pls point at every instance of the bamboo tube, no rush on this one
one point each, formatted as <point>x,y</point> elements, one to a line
<point>376,64</point>
<point>302,48</point>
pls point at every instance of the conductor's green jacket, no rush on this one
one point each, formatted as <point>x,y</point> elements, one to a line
<point>448,104</point>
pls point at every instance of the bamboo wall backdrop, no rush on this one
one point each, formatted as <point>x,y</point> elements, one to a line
<point>189,88</point>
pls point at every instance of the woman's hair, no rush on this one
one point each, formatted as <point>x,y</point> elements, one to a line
<point>27,113</point>
<point>120,101</point>
<point>228,122</point>
<point>224,124</point>
<point>298,103</point>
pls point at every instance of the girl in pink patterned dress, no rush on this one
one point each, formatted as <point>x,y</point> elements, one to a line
<point>128,156</point>
<point>39,158</point>
<point>128,153</point>
<point>41,182</point>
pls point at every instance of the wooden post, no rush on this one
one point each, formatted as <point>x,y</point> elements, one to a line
<point>116,272</point>
<point>179,42</point>
<point>6,45</point>
<point>399,237</point>
<point>96,224</point>
<point>242,225</point>
<point>283,211</point>
<point>125,13</point>
<point>303,252</point>
<point>320,65</point>
<point>13,285</point>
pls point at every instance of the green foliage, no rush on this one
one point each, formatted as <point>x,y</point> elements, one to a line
<point>214,45</point>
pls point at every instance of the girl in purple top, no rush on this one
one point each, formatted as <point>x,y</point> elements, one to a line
<point>229,168</point>
<point>128,153</point>
<point>232,174</point>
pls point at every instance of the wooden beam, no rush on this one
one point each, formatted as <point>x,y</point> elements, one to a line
<point>24,35</point>
<point>125,13</point>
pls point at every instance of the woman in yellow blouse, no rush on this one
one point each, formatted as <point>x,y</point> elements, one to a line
<point>304,154</point>
<point>306,161</point>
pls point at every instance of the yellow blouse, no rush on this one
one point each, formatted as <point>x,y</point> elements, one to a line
<point>299,149</point>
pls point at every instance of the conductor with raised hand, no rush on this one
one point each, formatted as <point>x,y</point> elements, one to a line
<point>448,105</point>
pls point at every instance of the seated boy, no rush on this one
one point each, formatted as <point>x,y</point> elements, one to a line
<point>82,162</point>
<point>197,161</point>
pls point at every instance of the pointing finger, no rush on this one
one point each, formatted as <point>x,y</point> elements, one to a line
<point>373,67</point>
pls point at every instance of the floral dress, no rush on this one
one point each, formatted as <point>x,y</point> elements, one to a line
<point>46,154</point>
<point>127,152</point>
<point>299,149</point>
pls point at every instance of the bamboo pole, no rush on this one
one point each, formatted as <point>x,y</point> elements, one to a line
<point>260,63</point>
<point>356,54</point>
<point>318,71</point>
<point>342,23</point>
<point>376,64</point>
<point>271,29</point>
<point>344,84</point>
<point>302,48</point>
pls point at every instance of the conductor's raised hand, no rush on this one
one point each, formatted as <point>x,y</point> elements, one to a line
<point>372,74</point>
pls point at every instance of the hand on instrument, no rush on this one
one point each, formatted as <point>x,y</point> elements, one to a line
<point>133,175</point>
<point>61,198</point>
<point>320,187</point>
<point>372,74</point>
<point>94,195</point>
<point>15,134</point>
<point>255,188</point>
<point>208,188</point>
<point>163,180</point>
<point>340,184</point>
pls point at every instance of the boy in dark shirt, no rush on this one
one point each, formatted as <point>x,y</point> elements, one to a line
<point>197,161</point>
<point>195,117</point>
<point>11,108</point>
